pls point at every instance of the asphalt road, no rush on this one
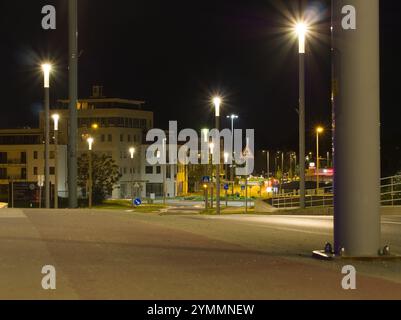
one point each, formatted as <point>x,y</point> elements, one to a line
<point>125,255</point>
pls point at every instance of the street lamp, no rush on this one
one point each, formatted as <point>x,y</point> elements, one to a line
<point>232,117</point>
<point>217,104</point>
<point>56,119</point>
<point>268,162</point>
<point>226,159</point>
<point>164,170</point>
<point>319,131</point>
<point>301,30</point>
<point>90,142</point>
<point>46,68</point>
<point>211,149</point>
<point>132,154</point>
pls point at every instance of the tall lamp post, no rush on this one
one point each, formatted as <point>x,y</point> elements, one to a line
<point>46,72</point>
<point>226,158</point>
<point>217,103</point>
<point>211,149</point>
<point>319,131</point>
<point>267,162</point>
<point>301,30</point>
<point>56,119</point>
<point>132,155</point>
<point>164,159</point>
<point>90,141</point>
<point>232,117</point>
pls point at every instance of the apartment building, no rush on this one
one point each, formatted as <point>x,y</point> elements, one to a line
<point>22,162</point>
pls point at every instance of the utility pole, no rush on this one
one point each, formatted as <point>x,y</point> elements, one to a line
<point>73,97</point>
<point>356,105</point>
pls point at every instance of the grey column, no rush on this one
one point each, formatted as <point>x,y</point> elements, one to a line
<point>47,148</point>
<point>356,104</point>
<point>73,97</point>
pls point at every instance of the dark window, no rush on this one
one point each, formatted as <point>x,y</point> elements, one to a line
<point>121,138</point>
<point>52,171</point>
<point>149,170</point>
<point>110,138</point>
<point>158,170</point>
<point>3,173</point>
<point>3,157</point>
<point>35,155</point>
<point>103,138</point>
<point>129,138</point>
<point>156,188</point>
<point>35,171</point>
<point>168,172</point>
<point>23,157</point>
<point>23,173</point>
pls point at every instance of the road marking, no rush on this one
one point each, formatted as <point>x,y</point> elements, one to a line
<point>290,229</point>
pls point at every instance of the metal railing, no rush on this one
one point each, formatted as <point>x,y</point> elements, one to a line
<point>390,195</point>
<point>322,197</point>
<point>390,191</point>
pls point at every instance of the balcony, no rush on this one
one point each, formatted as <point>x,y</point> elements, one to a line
<point>15,178</point>
<point>13,162</point>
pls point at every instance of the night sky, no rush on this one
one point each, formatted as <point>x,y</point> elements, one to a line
<point>175,54</point>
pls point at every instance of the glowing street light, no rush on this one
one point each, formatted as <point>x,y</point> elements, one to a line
<point>232,117</point>
<point>56,119</point>
<point>46,68</point>
<point>205,133</point>
<point>217,104</point>
<point>301,30</point>
<point>226,157</point>
<point>132,152</point>
<point>90,142</point>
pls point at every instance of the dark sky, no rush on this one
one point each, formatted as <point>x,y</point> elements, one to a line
<point>175,54</point>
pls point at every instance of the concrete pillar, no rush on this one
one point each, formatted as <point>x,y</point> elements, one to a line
<point>356,107</point>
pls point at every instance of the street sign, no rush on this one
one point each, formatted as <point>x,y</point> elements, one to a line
<point>206,179</point>
<point>243,188</point>
<point>137,202</point>
<point>226,187</point>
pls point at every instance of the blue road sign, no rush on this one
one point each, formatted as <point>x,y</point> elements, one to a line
<point>206,179</point>
<point>226,187</point>
<point>243,188</point>
<point>137,202</point>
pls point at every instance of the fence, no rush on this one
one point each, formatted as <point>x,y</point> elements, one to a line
<point>390,195</point>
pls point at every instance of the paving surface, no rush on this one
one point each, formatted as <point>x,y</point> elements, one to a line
<point>125,255</point>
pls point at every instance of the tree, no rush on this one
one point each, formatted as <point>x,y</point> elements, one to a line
<point>105,175</point>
